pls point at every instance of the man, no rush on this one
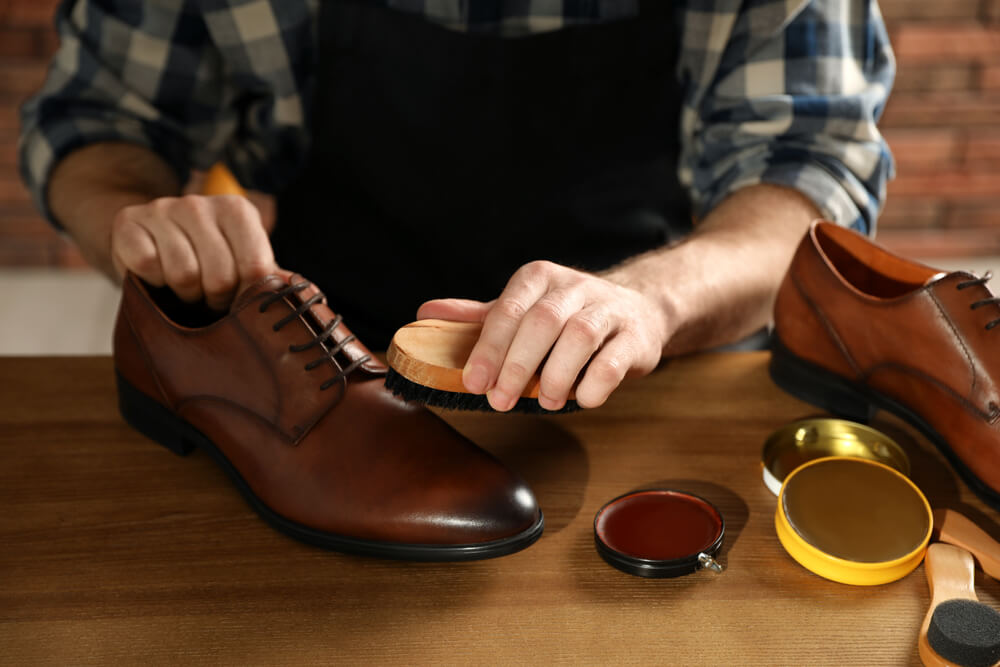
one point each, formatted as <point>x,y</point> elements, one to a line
<point>541,160</point>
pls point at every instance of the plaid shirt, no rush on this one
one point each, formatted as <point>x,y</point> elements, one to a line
<point>776,91</point>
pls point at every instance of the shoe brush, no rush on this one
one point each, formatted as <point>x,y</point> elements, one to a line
<point>426,359</point>
<point>958,629</point>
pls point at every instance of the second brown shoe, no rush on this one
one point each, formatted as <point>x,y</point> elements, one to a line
<point>293,408</point>
<point>858,328</point>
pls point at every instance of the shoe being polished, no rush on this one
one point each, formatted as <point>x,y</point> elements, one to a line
<point>858,328</point>
<point>293,408</point>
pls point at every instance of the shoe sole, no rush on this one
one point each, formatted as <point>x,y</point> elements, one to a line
<point>858,402</point>
<point>156,422</point>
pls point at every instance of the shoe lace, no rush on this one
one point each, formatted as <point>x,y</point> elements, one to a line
<point>323,336</point>
<point>982,302</point>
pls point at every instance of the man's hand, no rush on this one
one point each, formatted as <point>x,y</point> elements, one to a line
<point>563,321</point>
<point>202,247</point>
<point>118,201</point>
<point>714,287</point>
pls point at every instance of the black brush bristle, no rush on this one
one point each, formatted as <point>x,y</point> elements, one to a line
<point>451,400</point>
<point>966,633</point>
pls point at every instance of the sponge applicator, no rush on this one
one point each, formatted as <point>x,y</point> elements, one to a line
<point>958,629</point>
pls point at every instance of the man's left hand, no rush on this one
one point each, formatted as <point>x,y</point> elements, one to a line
<point>562,322</point>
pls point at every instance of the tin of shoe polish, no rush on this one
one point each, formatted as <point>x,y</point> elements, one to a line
<point>807,439</point>
<point>659,533</point>
<point>853,520</point>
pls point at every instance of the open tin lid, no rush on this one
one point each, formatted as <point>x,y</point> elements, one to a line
<point>659,533</point>
<point>805,440</point>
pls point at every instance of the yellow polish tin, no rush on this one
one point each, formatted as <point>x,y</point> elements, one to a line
<point>853,520</point>
<point>807,439</point>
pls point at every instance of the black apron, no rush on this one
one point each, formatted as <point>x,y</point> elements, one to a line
<point>443,161</point>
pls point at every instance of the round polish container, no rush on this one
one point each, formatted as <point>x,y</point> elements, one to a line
<point>807,439</point>
<point>659,533</point>
<point>853,520</point>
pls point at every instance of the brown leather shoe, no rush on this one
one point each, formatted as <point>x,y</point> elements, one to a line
<point>858,328</point>
<point>294,409</point>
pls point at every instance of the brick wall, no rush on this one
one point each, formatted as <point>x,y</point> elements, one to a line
<point>943,123</point>
<point>27,40</point>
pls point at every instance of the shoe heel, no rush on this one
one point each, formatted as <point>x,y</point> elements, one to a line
<point>818,386</point>
<point>153,420</point>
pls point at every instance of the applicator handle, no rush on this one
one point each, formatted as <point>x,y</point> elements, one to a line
<point>950,576</point>
<point>220,181</point>
<point>954,528</point>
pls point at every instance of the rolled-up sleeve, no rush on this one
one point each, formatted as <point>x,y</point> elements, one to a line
<point>790,97</point>
<point>128,71</point>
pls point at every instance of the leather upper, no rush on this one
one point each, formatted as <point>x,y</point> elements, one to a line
<point>900,328</point>
<point>351,459</point>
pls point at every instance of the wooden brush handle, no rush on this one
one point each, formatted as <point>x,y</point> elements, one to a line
<point>220,181</point>
<point>950,575</point>
<point>432,353</point>
<point>954,528</point>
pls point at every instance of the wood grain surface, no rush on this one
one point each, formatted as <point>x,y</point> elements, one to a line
<point>115,551</point>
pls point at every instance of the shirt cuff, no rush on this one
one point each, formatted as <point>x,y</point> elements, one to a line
<point>43,147</point>
<point>815,182</point>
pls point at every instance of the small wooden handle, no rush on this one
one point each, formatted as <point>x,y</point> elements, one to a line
<point>220,181</point>
<point>950,576</point>
<point>954,528</point>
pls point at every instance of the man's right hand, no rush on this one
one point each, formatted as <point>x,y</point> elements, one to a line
<point>202,247</point>
<point>118,201</point>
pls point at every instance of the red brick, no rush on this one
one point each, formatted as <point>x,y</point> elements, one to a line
<point>30,13</point>
<point>20,42</point>
<point>930,78</point>
<point>66,255</point>
<point>20,252</point>
<point>20,78</point>
<point>27,228</point>
<point>964,216</point>
<point>991,11</point>
<point>48,43</point>
<point>912,212</point>
<point>918,43</point>
<point>957,110</point>
<point>990,78</point>
<point>957,184</point>
<point>12,191</point>
<point>942,243</point>
<point>925,149</point>
<point>982,150</point>
<point>8,154</point>
<point>10,122</point>
<point>926,10</point>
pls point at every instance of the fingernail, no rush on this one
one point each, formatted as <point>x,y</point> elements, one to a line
<point>500,400</point>
<point>551,404</point>
<point>475,379</point>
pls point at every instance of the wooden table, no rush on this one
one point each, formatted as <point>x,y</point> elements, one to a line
<point>113,550</point>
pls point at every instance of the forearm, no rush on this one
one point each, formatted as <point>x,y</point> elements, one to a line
<point>91,185</point>
<point>719,284</point>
